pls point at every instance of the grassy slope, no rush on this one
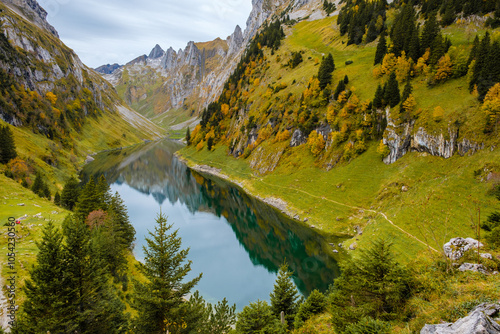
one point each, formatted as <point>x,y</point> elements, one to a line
<point>438,203</point>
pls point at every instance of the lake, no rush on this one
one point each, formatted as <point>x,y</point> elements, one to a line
<point>235,240</point>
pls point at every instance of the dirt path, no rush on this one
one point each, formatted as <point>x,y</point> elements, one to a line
<point>218,172</point>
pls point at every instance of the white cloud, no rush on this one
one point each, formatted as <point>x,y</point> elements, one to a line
<point>117,31</point>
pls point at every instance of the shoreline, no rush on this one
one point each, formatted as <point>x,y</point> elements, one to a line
<point>275,202</point>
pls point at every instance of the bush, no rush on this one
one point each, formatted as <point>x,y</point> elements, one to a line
<point>258,318</point>
<point>348,62</point>
<point>369,326</point>
<point>314,304</point>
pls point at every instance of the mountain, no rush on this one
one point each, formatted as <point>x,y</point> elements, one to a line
<point>108,68</point>
<point>173,87</point>
<point>60,110</point>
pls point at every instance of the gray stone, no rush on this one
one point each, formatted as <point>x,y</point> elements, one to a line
<point>473,267</point>
<point>89,159</point>
<point>353,246</point>
<point>479,321</point>
<point>298,138</point>
<point>486,256</point>
<point>457,247</point>
<point>335,251</point>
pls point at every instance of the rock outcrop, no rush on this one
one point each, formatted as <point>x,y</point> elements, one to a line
<point>403,138</point>
<point>107,69</point>
<point>479,321</point>
<point>193,77</point>
<point>457,247</point>
<point>33,12</point>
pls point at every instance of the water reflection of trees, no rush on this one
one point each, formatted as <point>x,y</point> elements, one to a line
<point>269,237</point>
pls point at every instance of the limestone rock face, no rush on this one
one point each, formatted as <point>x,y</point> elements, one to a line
<point>402,138</point>
<point>298,138</point>
<point>457,247</point>
<point>157,52</point>
<point>435,145</point>
<point>479,321</point>
<point>33,12</point>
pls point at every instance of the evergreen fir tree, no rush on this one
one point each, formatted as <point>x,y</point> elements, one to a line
<point>325,71</point>
<point>314,304</point>
<point>284,296</point>
<point>188,136</point>
<point>391,94</point>
<point>346,79</point>
<point>159,302</point>
<point>479,70</point>
<point>103,192</point>
<point>449,14</point>
<point>381,49</point>
<point>44,308</point>
<point>340,88</point>
<point>407,91</point>
<point>429,32</point>
<point>88,201</point>
<point>121,222</point>
<point>375,285</point>
<point>378,100</point>
<point>93,306</point>
<point>70,194</point>
<point>414,51</point>
<point>57,199</point>
<point>38,185</point>
<point>474,50</point>
<point>46,191</point>
<point>7,145</point>
<point>256,318</point>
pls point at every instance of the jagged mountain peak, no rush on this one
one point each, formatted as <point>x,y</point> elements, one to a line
<point>33,12</point>
<point>157,52</point>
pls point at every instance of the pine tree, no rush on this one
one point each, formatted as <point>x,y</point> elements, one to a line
<point>284,296</point>
<point>340,88</point>
<point>103,192</point>
<point>44,308</point>
<point>381,49</point>
<point>429,32</point>
<point>256,318</point>
<point>7,145</point>
<point>38,185</point>
<point>407,91</point>
<point>325,71</point>
<point>378,100</point>
<point>70,194</point>
<point>391,94</point>
<point>93,306</point>
<point>373,285</point>
<point>57,199</point>
<point>88,201</point>
<point>314,304</point>
<point>121,222</point>
<point>346,79</point>
<point>188,136</point>
<point>159,302</point>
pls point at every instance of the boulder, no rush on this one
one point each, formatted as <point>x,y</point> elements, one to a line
<point>479,321</point>
<point>473,267</point>
<point>457,247</point>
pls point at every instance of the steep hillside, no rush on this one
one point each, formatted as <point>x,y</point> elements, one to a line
<point>59,110</point>
<point>173,87</point>
<point>319,143</point>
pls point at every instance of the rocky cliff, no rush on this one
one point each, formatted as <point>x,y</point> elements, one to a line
<point>405,137</point>
<point>35,62</point>
<point>192,77</point>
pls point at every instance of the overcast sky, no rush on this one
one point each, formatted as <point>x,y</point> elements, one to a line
<point>117,31</point>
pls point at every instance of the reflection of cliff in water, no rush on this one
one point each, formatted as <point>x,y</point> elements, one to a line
<point>151,169</point>
<point>269,237</point>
